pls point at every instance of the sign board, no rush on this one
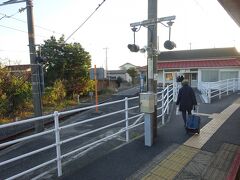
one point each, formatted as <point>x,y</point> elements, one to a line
<point>90,93</point>
<point>100,74</point>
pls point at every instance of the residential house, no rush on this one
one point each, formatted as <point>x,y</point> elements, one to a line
<point>20,71</point>
<point>126,66</point>
<point>114,74</point>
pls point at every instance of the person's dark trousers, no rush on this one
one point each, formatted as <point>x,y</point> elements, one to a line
<point>184,115</point>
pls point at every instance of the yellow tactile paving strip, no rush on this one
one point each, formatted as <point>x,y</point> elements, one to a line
<point>197,141</point>
<point>176,161</point>
<point>173,164</point>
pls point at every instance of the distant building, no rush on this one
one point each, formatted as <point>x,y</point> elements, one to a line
<point>199,65</point>
<point>126,66</point>
<point>20,70</point>
<point>141,70</point>
<point>114,74</point>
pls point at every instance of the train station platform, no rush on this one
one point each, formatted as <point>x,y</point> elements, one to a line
<point>213,154</point>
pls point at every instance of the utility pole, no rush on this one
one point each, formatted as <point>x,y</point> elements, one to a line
<point>152,57</point>
<point>106,51</point>
<point>152,61</point>
<point>36,89</point>
<point>35,68</point>
<point>150,111</point>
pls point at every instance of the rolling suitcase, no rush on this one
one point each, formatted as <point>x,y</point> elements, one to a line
<point>193,124</point>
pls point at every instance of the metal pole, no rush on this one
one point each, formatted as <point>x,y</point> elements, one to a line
<point>106,50</point>
<point>36,89</point>
<point>148,126</point>
<point>126,118</point>
<point>209,93</point>
<point>168,92</point>
<point>152,60</point>
<point>227,86</point>
<point>58,145</point>
<point>96,87</point>
<point>163,118</point>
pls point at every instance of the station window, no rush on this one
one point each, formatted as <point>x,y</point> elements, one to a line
<point>210,75</point>
<point>228,75</point>
<point>194,76</point>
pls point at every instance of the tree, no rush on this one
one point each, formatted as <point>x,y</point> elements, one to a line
<point>119,81</point>
<point>133,73</point>
<point>69,63</point>
<point>56,94</point>
<point>15,91</point>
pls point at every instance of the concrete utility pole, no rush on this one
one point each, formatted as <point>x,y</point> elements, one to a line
<point>152,60</point>
<point>106,50</point>
<point>36,89</point>
<point>152,49</point>
<point>35,68</point>
<point>106,64</point>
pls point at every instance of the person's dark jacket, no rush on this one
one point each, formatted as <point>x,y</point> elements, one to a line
<point>186,98</point>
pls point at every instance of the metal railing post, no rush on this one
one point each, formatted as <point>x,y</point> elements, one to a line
<point>227,86</point>
<point>168,99</point>
<point>126,118</point>
<point>234,85</point>
<point>174,91</point>
<point>163,107</point>
<point>209,93</point>
<point>219,91</point>
<point>238,83</point>
<point>58,148</point>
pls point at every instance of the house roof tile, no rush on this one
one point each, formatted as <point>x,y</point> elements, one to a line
<point>210,63</point>
<point>196,54</point>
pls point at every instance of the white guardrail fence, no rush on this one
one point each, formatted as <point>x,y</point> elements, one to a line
<point>210,90</point>
<point>121,118</point>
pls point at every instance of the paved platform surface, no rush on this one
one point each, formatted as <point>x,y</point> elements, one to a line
<point>175,155</point>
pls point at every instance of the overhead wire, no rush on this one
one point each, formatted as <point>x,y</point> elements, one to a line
<point>46,29</point>
<point>10,16</point>
<point>19,30</point>
<point>22,9</point>
<point>99,5</point>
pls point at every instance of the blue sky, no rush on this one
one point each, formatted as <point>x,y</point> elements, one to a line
<point>203,23</point>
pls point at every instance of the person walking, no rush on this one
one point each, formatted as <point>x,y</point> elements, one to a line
<point>186,100</point>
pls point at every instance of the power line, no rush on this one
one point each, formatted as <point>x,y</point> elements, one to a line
<point>19,30</point>
<point>19,11</point>
<point>46,29</point>
<point>199,5</point>
<point>13,51</point>
<point>13,28</point>
<point>99,5</point>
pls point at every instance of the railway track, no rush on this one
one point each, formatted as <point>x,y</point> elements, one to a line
<point>29,130</point>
